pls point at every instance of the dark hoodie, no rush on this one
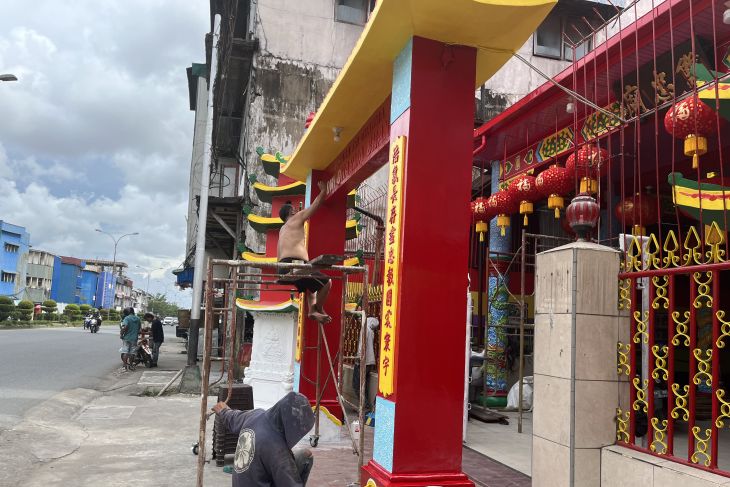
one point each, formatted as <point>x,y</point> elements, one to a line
<point>265,439</point>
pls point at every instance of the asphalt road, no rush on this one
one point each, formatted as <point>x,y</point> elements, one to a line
<point>36,364</point>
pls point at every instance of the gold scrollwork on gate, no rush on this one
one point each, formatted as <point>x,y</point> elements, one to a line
<point>724,328</point>
<point>623,366</point>
<point>680,402</point>
<point>661,292</point>
<point>693,247</point>
<point>624,293</point>
<point>653,261</point>
<point>703,366</point>
<point>701,445</point>
<point>671,250</point>
<point>724,408</point>
<point>633,256</point>
<point>640,401</point>
<point>659,443</point>
<point>660,363</point>
<point>703,290</point>
<point>714,239</point>
<point>622,425</point>
<point>642,327</point>
<point>682,328</point>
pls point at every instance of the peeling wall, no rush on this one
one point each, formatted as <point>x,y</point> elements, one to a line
<point>302,49</point>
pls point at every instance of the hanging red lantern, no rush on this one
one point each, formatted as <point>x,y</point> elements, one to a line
<point>503,204</point>
<point>693,121</point>
<point>586,164</point>
<point>524,189</point>
<point>637,212</point>
<point>554,183</point>
<point>482,213</point>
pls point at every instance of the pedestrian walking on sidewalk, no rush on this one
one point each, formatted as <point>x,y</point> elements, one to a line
<point>158,336</point>
<point>264,453</point>
<point>129,333</point>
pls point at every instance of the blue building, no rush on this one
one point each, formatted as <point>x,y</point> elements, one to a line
<point>14,244</point>
<point>89,285</point>
<point>105,288</point>
<point>67,280</point>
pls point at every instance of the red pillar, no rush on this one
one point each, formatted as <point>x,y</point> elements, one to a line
<point>326,236</point>
<point>418,427</point>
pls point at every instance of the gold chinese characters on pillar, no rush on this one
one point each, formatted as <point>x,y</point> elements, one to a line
<point>392,267</point>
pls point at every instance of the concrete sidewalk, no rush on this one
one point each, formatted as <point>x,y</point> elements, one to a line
<point>124,436</point>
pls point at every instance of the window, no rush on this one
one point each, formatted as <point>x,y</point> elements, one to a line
<point>351,11</point>
<point>11,248</point>
<point>551,39</point>
<point>548,38</point>
<point>7,276</point>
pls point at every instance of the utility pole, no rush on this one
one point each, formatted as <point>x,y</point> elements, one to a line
<point>199,263</point>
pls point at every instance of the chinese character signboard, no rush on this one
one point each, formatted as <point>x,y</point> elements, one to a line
<point>300,328</point>
<point>393,233</point>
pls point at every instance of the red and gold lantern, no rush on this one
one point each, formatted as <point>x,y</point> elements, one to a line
<point>554,183</point>
<point>586,164</point>
<point>524,190</point>
<point>482,213</point>
<point>503,204</point>
<point>693,121</point>
<point>582,215</point>
<point>637,212</point>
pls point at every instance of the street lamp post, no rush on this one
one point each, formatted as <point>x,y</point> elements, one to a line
<point>114,260</point>
<point>147,289</point>
<point>116,242</point>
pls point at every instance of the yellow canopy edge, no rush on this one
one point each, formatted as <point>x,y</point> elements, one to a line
<point>497,28</point>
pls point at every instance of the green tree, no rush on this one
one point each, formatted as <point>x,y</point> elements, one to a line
<point>25,309</point>
<point>84,308</point>
<point>114,315</point>
<point>104,313</point>
<point>7,307</point>
<point>159,305</point>
<point>72,312</point>
<point>49,307</point>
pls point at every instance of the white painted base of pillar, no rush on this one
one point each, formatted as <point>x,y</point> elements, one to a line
<point>271,370</point>
<point>331,431</point>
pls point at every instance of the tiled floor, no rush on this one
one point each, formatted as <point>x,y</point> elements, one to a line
<point>502,442</point>
<point>335,465</point>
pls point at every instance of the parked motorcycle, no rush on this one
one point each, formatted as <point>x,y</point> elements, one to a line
<point>143,354</point>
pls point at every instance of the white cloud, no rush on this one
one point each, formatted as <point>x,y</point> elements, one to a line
<point>97,132</point>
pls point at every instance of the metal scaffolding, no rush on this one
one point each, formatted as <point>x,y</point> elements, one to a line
<point>220,310</point>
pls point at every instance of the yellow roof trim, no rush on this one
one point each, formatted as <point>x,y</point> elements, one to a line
<point>250,305</point>
<point>254,257</point>
<point>275,189</point>
<point>497,28</point>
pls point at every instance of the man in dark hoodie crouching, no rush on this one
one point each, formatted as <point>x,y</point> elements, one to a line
<point>264,456</point>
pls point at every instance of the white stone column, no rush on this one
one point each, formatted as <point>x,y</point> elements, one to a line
<point>271,371</point>
<point>576,385</point>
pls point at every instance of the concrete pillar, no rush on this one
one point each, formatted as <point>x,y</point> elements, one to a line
<point>422,328</point>
<point>326,236</point>
<point>271,370</point>
<point>577,326</point>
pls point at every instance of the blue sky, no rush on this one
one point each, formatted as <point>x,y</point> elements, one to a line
<point>97,132</point>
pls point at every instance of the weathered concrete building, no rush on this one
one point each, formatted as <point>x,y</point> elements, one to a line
<point>38,276</point>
